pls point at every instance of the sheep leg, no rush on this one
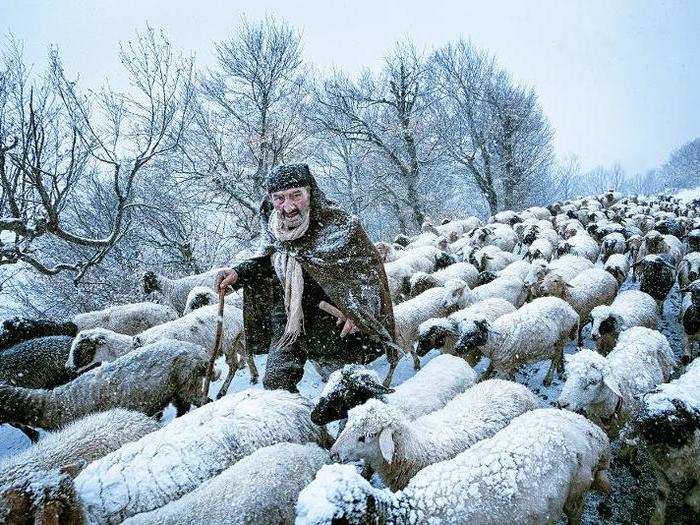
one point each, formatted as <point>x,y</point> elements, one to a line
<point>181,407</point>
<point>573,508</point>
<point>252,368</point>
<point>416,359</point>
<point>392,356</point>
<point>32,434</point>
<point>490,371</point>
<point>226,384</point>
<point>663,489</point>
<point>547,381</point>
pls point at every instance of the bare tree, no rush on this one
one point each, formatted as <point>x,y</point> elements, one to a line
<point>54,142</point>
<point>388,114</point>
<point>492,131</point>
<point>682,169</point>
<point>250,116</point>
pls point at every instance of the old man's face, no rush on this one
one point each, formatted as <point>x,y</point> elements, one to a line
<point>292,204</point>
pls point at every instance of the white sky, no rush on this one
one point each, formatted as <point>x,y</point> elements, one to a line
<point>619,80</point>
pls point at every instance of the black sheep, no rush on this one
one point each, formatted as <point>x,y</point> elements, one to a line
<point>18,329</point>
<point>658,275</point>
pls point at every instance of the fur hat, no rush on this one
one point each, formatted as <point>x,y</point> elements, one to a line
<point>287,176</point>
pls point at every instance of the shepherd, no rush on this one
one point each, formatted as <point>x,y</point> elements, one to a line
<point>314,258</point>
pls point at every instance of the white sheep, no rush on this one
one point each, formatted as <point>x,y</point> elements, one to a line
<point>580,244</point>
<point>421,281</point>
<point>630,308</point>
<point>567,267</point>
<point>541,464</point>
<point>167,464</point>
<point>496,234</point>
<point>511,289</point>
<point>605,387</point>
<point>618,265</point>
<point>612,243</point>
<point>80,442</point>
<point>540,249</point>
<point>408,315</point>
<point>398,448</point>
<point>443,332</point>
<point>198,327</point>
<point>261,488</point>
<point>129,319</point>
<point>518,269</point>
<point>200,296</point>
<point>536,331</point>
<point>400,271</point>
<point>429,389</point>
<point>669,425</point>
<point>491,258</point>
<point>175,290</point>
<point>584,292</point>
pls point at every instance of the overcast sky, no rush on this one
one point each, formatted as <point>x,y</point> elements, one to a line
<point>619,80</point>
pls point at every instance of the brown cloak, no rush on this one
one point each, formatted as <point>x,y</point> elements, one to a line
<point>337,253</point>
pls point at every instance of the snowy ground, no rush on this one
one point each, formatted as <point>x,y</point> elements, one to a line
<point>633,496</point>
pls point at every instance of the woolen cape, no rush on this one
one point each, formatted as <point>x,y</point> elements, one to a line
<point>336,252</point>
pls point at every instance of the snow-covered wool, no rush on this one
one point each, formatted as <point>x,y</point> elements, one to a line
<point>657,275</point>
<point>491,258</point>
<point>421,281</point>
<point>511,289</point>
<point>175,290</point>
<point>167,464</point>
<point>496,234</point>
<point>689,269</point>
<point>584,292</point>
<point>398,448</point>
<point>200,296</point>
<point>129,319</point>
<point>260,489</point>
<point>612,243</point>
<point>692,240</point>
<point>580,244</point>
<point>571,227</point>
<point>81,442</point>
<point>400,271</point>
<point>518,269</point>
<point>145,380</point>
<point>656,243</point>
<point>540,249</point>
<point>541,464</point>
<point>605,387</point>
<point>669,424</point>
<point>690,319</point>
<point>505,217</point>
<point>630,308</point>
<point>453,228</point>
<point>428,239</point>
<point>536,331</point>
<point>18,329</point>
<point>618,265</point>
<point>429,389</point>
<point>443,332</point>
<point>389,252</point>
<point>567,267</point>
<point>37,363</point>
<point>198,327</point>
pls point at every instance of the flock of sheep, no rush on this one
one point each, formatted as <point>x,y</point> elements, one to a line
<point>448,445</point>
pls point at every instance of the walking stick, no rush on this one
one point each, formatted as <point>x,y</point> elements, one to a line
<point>214,351</point>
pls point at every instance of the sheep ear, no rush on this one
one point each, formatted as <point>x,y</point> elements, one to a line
<point>386,444</point>
<point>611,383</point>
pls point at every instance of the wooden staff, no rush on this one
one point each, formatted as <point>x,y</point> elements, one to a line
<point>215,351</point>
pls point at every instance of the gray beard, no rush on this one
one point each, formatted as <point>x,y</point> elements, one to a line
<point>291,223</point>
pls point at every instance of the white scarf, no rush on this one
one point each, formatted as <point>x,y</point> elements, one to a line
<point>289,273</point>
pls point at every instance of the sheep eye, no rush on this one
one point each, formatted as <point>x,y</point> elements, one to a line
<point>361,439</point>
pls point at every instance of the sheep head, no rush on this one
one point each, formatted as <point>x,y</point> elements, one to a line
<point>92,346</point>
<point>345,495</point>
<point>665,421</point>
<point>434,333</point>
<point>368,434</point>
<point>420,282</point>
<point>150,282</point>
<point>606,326</point>
<point>346,388</point>
<point>457,294</point>
<point>589,382</point>
<point>472,336</point>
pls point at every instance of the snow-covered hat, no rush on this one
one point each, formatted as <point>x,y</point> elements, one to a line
<point>287,176</point>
